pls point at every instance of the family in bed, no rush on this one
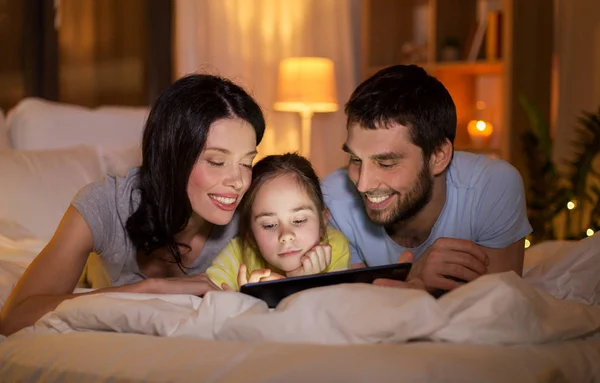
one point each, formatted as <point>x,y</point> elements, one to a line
<point>197,216</point>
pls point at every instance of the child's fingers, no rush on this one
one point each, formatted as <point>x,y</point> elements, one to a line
<point>307,262</point>
<point>242,275</point>
<point>226,287</point>
<point>257,275</point>
<point>319,260</point>
<point>327,250</point>
<point>313,262</point>
<point>272,277</point>
<point>323,256</point>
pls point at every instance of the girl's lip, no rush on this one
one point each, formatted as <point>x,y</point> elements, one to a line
<point>289,253</point>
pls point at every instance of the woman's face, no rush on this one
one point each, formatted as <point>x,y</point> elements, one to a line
<point>223,171</point>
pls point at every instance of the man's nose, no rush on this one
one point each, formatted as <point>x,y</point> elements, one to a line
<point>366,180</point>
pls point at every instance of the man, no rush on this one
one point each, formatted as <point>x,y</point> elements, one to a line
<point>407,196</point>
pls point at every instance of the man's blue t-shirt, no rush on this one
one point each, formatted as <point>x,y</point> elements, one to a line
<point>485,203</point>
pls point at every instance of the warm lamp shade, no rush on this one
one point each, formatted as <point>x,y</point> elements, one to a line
<point>306,84</point>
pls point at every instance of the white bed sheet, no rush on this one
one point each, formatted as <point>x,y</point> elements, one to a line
<point>498,309</point>
<point>111,357</point>
<point>91,355</point>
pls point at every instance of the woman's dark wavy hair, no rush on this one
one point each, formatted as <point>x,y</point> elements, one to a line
<point>271,167</point>
<point>174,136</point>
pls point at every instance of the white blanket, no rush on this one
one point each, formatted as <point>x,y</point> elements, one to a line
<point>500,309</point>
<point>558,299</point>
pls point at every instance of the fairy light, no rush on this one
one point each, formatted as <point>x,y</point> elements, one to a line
<point>571,205</point>
<point>589,232</point>
<point>527,243</point>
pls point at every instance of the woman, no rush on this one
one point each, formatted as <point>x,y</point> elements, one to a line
<point>159,228</point>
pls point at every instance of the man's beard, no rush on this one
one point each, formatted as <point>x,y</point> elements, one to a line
<point>408,205</point>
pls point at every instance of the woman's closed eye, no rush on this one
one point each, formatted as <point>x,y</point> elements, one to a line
<point>215,163</point>
<point>299,221</point>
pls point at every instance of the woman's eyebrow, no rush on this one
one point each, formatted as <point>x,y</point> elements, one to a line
<point>226,151</point>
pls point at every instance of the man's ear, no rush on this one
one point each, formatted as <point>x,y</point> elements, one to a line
<point>440,159</point>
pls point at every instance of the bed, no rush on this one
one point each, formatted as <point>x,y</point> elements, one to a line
<point>544,327</point>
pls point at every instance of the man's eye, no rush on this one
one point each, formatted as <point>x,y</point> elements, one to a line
<point>354,160</point>
<point>386,165</point>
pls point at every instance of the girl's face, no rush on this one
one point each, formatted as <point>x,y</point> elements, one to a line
<point>223,171</point>
<point>285,222</point>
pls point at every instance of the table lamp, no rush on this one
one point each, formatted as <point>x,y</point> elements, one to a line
<point>306,85</point>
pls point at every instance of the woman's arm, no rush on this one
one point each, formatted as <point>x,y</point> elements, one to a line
<point>53,275</point>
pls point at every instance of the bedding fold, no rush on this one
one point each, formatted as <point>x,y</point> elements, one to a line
<point>498,309</point>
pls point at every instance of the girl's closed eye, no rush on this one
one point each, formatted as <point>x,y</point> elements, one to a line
<point>299,221</point>
<point>268,226</point>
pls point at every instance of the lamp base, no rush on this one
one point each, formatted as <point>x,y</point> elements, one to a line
<point>306,116</point>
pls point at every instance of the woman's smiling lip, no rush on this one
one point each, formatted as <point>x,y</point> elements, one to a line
<point>289,253</point>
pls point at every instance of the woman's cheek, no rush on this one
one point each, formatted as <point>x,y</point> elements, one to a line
<point>247,179</point>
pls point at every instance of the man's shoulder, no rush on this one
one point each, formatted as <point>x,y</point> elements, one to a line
<point>337,186</point>
<point>469,170</point>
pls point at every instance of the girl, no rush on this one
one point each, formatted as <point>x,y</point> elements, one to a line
<point>157,229</point>
<point>283,228</point>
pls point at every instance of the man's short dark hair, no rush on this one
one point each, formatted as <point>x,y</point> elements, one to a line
<point>406,95</point>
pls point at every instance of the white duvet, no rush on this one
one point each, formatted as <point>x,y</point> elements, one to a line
<point>496,309</point>
<point>501,309</point>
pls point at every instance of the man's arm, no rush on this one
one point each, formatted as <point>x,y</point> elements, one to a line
<point>507,259</point>
<point>500,220</point>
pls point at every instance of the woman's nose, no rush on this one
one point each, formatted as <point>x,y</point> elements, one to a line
<point>235,179</point>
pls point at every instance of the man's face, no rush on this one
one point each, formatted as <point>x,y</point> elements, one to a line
<point>389,172</point>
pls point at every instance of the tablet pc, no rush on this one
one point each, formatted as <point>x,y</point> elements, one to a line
<point>272,292</point>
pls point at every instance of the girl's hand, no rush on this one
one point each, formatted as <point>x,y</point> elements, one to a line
<point>261,275</point>
<point>314,261</point>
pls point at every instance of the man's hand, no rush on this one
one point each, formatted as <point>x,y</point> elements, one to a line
<point>447,258</point>
<point>314,261</point>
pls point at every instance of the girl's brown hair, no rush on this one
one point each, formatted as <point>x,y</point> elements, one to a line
<point>274,166</point>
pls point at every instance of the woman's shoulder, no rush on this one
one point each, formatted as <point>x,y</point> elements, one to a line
<point>111,190</point>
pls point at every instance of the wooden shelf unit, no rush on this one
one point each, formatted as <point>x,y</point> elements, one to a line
<point>522,66</point>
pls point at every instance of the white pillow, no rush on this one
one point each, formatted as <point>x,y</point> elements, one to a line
<point>119,161</point>
<point>566,269</point>
<point>38,186</point>
<point>4,140</point>
<point>36,124</point>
